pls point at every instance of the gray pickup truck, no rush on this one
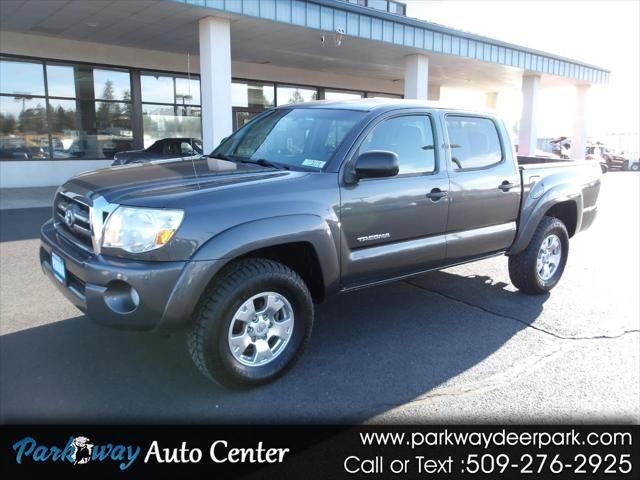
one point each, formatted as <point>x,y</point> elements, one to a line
<point>303,202</point>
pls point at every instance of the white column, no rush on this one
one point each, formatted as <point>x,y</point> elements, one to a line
<point>527,137</point>
<point>491,100</point>
<point>579,137</point>
<point>215,80</point>
<point>416,77</point>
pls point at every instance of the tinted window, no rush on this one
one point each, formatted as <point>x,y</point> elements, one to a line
<point>157,88</point>
<point>111,84</point>
<point>186,148</point>
<point>341,95</point>
<point>172,148</point>
<point>156,147</point>
<point>252,95</point>
<point>21,78</point>
<point>474,142</point>
<point>23,128</point>
<point>410,137</point>
<point>187,91</point>
<point>61,81</point>
<point>288,95</point>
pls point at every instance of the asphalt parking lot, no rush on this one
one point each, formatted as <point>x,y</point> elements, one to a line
<point>461,345</point>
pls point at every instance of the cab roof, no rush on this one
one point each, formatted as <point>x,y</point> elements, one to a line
<point>372,104</point>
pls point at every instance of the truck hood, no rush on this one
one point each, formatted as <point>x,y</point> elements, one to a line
<point>160,182</point>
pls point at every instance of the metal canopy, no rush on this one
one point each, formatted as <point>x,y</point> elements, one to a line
<point>287,33</point>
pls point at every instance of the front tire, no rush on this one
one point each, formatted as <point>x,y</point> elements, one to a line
<point>538,268</point>
<point>251,324</point>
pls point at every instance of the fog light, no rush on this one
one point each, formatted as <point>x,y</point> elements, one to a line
<point>121,297</point>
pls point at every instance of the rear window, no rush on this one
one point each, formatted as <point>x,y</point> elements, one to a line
<point>474,142</point>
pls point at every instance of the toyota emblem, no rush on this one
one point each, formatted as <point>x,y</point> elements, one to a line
<point>69,217</point>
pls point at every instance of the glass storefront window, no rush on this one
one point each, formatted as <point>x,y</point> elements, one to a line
<point>87,129</point>
<point>288,95</point>
<point>86,111</point>
<point>23,78</point>
<point>253,95</point>
<point>111,84</point>
<point>112,133</point>
<point>23,128</point>
<point>187,91</point>
<point>169,121</point>
<point>61,81</point>
<point>341,95</point>
<point>383,95</point>
<point>378,4</point>
<point>156,88</point>
<point>65,133</point>
<point>179,117</point>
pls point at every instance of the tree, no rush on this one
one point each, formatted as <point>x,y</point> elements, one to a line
<point>33,120</point>
<point>7,123</point>
<point>296,97</point>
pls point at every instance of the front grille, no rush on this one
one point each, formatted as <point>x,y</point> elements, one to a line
<point>72,218</point>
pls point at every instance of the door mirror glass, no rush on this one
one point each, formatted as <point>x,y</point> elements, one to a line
<point>377,164</point>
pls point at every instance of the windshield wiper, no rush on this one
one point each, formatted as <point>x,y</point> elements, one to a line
<point>264,163</point>
<point>260,161</point>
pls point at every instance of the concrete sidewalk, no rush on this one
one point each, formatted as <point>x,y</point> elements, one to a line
<point>12,198</point>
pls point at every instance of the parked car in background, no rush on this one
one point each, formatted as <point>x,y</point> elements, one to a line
<point>614,160</point>
<point>166,148</point>
<point>635,166</point>
<point>594,152</point>
<point>17,149</point>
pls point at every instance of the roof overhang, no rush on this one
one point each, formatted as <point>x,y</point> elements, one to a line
<point>287,33</point>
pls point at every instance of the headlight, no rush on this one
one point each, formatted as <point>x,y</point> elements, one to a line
<point>138,230</point>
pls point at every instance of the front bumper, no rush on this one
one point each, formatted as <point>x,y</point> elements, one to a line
<point>124,293</point>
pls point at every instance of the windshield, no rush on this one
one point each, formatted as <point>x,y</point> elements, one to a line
<point>298,138</point>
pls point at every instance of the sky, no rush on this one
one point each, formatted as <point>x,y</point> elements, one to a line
<point>604,33</point>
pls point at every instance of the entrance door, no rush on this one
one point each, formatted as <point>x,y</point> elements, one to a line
<point>395,226</point>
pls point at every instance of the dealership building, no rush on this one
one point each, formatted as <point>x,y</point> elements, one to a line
<point>82,80</point>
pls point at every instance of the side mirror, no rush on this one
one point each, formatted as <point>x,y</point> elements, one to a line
<point>376,164</point>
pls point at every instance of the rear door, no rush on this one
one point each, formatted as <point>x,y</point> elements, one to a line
<point>394,226</point>
<point>484,186</point>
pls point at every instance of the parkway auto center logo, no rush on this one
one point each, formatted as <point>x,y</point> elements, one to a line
<point>78,450</point>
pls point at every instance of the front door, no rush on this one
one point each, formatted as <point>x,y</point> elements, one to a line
<point>485,187</point>
<point>395,226</point>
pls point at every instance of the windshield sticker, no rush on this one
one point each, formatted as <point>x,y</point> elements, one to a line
<point>308,162</point>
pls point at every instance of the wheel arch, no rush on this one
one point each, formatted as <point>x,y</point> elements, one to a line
<point>302,242</point>
<point>563,203</point>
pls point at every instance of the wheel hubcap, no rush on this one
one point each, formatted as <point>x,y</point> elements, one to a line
<point>549,257</point>
<point>261,329</point>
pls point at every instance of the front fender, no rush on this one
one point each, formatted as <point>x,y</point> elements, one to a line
<point>534,209</point>
<point>273,231</point>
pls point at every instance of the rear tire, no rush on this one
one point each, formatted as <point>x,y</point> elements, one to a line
<point>538,268</point>
<point>233,339</point>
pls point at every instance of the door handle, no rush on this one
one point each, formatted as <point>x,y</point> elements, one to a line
<point>436,194</point>
<point>506,186</point>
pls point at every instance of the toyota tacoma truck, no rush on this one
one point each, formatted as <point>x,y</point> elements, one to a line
<point>303,202</point>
